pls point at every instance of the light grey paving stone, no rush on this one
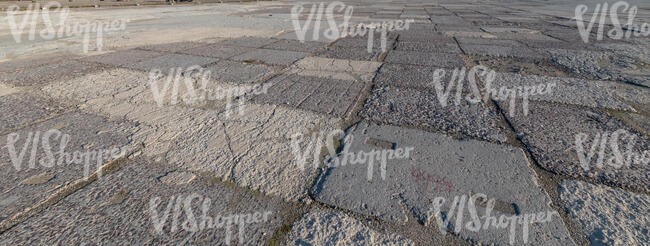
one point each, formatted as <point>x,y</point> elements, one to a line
<point>45,74</point>
<point>464,28</point>
<point>117,209</point>
<point>330,227</point>
<point>562,90</point>
<point>171,61</point>
<point>550,131</point>
<point>417,77</point>
<point>23,108</point>
<point>488,41</point>
<point>428,47</point>
<point>608,216</point>
<point>637,49</point>
<point>122,57</point>
<point>173,47</point>
<point>308,37</point>
<point>217,50</point>
<point>38,168</point>
<point>500,51</point>
<point>239,72</point>
<point>409,107</point>
<point>271,57</point>
<point>362,42</point>
<point>251,42</point>
<point>407,192</point>
<point>425,59</point>
<point>295,45</point>
<point>601,65</point>
<point>32,62</point>
<point>337,65</point>
<point>327,96</point>
<point>426,37</point>
<point>350,53</point>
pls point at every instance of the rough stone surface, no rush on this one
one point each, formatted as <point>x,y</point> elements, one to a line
<point>295,45</point>
<point>477,167</point>
<point>48,73</point>
<point>426,59</point>
<point>122,57</point>
<point>408,107</point>
<point>336,228</point>
<point>24,108</point>
<point>608,216</point>
<point>271,57</point>
<point>217,50</point>
<point>173,47</point>
<point>350,53</point>
<point>549,132</point>
<point>171,61</point>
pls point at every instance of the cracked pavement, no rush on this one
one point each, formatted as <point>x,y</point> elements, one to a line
<point>215,124</point>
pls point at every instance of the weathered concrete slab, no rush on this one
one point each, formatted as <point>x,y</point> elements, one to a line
<point>24,108</point>
<point>550,130</point>
<point>565,90</point>
<point>425,59</point>
<point>295,45</point>
<point>217,50</point>
<point>408,107</point>
<point>607,215</point>
<point>601,65</point>
<point>239,72</point>
<point>500,51</point>
<point>327,96</point>
<point>350,53</point>
<point>333,227</point>
<point>460,168</point>
<point>412,76</point>
<point>41,75</point>
<point>31,62</point>
<point>271,57</point>
<point>167,62</point>
<point>173,47</point>
<point>251,42</point>
<point>38,168</point>
<point>120,204</point>
<point>428,47</point>
<point>122,57</point>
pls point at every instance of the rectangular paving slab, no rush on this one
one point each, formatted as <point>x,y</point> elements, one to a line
<point>122,57</point>
<point>500,51</point>
<point>24,108</point>
<point>295,45</point>
<point>327,96</point>
<point>607,215</point>
<point>173,47</point>
<point>409,107</point>
<point>167,62</point>
<point>125,207</point>
<point>425,59</point>
<point>217,50</point>
<point>550,132</point>
<point>41,75</point>
<point>38,167</point>
<point>428,47</point>
<point>251,42</point>
<point>350,53</point>
<point>457,167</point>
<point>271,57</point>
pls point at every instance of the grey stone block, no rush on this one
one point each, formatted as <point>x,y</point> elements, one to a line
<point>428,47</point>
<point>251,42</point>
<point>408,107</point>
<point>122,57</point>
<point>171,61</point>
<point>271,57</point>
<point>173,47</point>
<point>295,45</point>
<point>23,108</point>
<point>217,50</point>
<point>46,74</point>
<point>351,53</point>
<point>500,51</point>
<point>238,72</point>
<point>444,60</point>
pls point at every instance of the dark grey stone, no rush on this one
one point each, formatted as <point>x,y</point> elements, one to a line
<point>425,58</point>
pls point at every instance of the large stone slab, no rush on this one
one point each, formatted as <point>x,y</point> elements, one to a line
<point>251,42</point>
<point>425,59</point>
<point>428,47</point>
<point>173,47</point>
<point>411,76</point>
<point>217,50</point>
<point>239,72</point>
<point>32,62</point>
<point>122,57</point>
<point>500,51</point>
<point>550,130</point>
<point>117,209</point>
<point>295,45</point>
<point>328,96</point>
<point>335,228</point>
<point>601,65</point>
<point>409,107</point>
<point>271,57</point>
<point>43,169</point>
<point>167,62</point>
<point>608,216</point>
<point>41,75</point>
<point>23,108</point>
<point>565,90</point>
<point>350,53</point>
<point>454,168</point>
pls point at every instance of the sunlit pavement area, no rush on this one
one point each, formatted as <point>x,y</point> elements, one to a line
<point>109,147</point>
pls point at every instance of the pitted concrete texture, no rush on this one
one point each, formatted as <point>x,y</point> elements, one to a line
<point>458,168</point>
<point>43,157</point>
<point>271,57</point>
<point>118,209</point>
<point>551,131</point>
<point>608,216</point>
<point>167,62</point>
<point>123,57</point>
<point>217,50</point>
<point>445,60</point>
<point>409,107</point>
<point>24,109</point>
<point>327,227</point>
<point>48,73</point>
